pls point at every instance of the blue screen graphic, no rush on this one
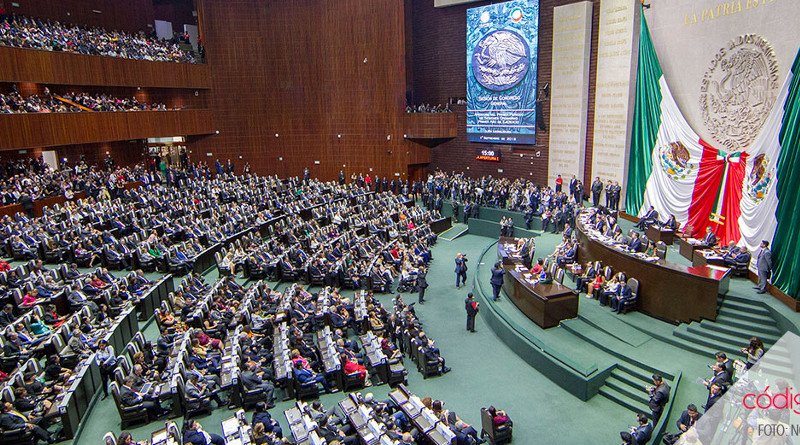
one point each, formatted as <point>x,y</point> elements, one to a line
<point>502,51</point>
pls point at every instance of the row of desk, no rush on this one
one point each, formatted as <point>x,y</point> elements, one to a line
<point>73,404</point>
<point>669,291</point>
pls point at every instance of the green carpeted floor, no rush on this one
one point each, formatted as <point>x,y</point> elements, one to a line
<point>487,372</point>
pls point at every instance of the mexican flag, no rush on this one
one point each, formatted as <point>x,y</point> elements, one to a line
<point>745,197</point>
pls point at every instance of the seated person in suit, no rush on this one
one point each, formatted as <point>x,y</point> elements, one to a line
<point>710,240</point>
<point>720,377</point>
<point>305,375</point>
<point>262,416</point>
<point>432,353</point>
<point>741,258</point>
<point>671,223</point>
<point>193,433</point>
<point>11,419</point>
<point>624,292</point>
<point>587,277</point>
<point>129,397</point>
<point>634,244</point>
<point>197,390</point>
<point>640,434</point>
<point>649,218</point>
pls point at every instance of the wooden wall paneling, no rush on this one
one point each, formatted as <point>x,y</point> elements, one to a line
<point>53,129</point>
<point>29,65</point>
<point>297,69</point>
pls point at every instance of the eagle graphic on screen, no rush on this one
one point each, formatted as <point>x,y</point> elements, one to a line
<point>501,49</point>
<point>680,154</point>
<point>500,60</point>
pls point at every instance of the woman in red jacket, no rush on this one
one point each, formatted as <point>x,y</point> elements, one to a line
<point>350,367</point>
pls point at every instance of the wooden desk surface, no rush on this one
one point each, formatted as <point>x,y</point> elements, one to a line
<point>545,304</point>
<point>670,291</point>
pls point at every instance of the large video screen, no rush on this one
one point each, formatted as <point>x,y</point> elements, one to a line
<point>502,51</point>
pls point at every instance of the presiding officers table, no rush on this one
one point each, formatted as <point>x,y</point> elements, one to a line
<point>673,292</point>
<point>545,304</point>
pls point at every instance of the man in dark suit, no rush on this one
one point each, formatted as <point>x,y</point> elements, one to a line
<point>12,420</point>
<point>764,266</point>
<point>472,310</point>
<point>196,436</point>
<point>497,280</point>
<point>597,190</point>
<point>720,378</point>
<point>659,396</point>
<point>641,434</point>
<point>714,394</point>
<point>649,218</point>
<point>635,243</point>
<point>461,270</point>
<point>196,392</point>
<point>615,195</point>
<point>579,191</point>
<point>528,217</point>
<point>725,363</point>
<point>129,397</point>
<point>262,416</point>
<point>251,381</point>
<point>688,418</point>
<point>7,315</point>
<point>624,293</point>
<point>710,240</point>
<point>422,283</point>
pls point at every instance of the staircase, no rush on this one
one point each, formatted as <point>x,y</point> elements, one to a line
<point>738,319</point>
<point>625,385</point>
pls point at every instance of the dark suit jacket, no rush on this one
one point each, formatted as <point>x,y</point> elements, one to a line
<point>9,421</point>
<point>250,380</point>
<point>710,239</point>
<point>128,397</point>
<point>422,279</point>
<point>497,277</point>
<point>660,397</point>
<point>635,244</point>
<point>643,433</point>
<point>686,419</point>
<point>471,308</point>
<point>461,265</point>
<point>195,437</point>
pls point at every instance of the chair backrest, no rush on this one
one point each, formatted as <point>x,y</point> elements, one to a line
<point>487,423</point>
<point>110,439</point>
<point>560,276</point>
<point>174,432</point>
<point>115,394</point>
<point>633,283</point>
<point>608,272</point>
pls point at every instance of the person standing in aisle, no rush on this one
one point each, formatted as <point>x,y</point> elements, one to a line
<point>497,280</point>
<point>422,283</point>
<point>461,270</point>
<point>472,310</point>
